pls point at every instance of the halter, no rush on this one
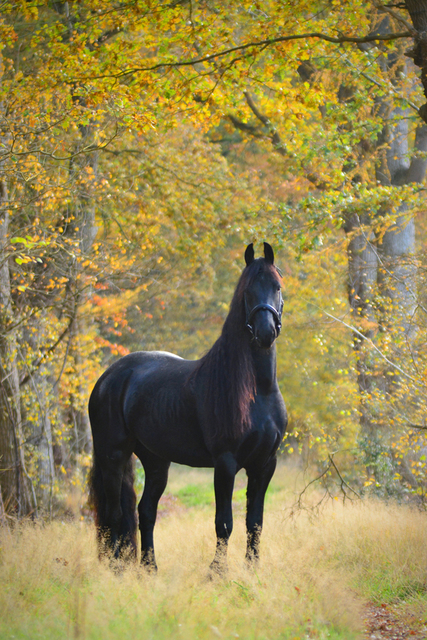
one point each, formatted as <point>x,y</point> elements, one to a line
<point>267,307</point>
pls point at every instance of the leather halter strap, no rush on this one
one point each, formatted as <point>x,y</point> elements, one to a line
<point>277,314</point>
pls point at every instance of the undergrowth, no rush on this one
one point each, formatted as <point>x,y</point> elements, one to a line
<point>315,575</point>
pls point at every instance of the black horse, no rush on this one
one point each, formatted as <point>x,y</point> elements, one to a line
<point>223,411</point>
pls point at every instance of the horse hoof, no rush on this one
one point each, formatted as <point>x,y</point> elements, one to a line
<point>217,570</point>
<point>149,568</point>
<point>117,566</point>
<point>143,572</point>
<point>251,561</point>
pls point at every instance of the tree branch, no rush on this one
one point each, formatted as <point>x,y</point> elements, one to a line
<point>274,136</point>
<point>343,482</point>
<point>244,126</point>
<point>42,358</point>
<point>380,353</point>
<point>395,15</point>
<point>257,44</point>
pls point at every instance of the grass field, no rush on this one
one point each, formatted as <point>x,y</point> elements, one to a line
<point>317,572</point>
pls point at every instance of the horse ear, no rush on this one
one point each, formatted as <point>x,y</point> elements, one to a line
<point>268,253</point>
<point>249,254</point>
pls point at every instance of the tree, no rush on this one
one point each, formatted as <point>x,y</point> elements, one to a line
<point>117,198</point>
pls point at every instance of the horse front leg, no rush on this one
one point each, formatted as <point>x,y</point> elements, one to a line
<point>225,472</point>
<point>258,481</point>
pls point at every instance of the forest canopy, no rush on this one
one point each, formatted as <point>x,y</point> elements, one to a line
<point>143,145</point>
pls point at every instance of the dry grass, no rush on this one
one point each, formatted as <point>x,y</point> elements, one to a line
<point>312,580</point>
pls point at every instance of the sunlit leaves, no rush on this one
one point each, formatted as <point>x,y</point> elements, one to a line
<point>126,178</point>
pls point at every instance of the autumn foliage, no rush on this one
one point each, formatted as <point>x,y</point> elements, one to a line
<point>142,146</point>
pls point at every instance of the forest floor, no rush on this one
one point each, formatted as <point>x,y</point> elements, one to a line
<point>390,622</point>
<point>386,621</point>
<point>348,571</point>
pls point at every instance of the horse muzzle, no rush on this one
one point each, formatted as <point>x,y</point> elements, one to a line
<point>264,322</point>
<point>265,331</point>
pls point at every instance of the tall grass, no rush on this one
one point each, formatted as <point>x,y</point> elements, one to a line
<point>313,578</point>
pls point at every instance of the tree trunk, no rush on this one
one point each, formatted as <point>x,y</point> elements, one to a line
<point>41,433</point>
<point>13,476</point>
<point>363,272</point>
<point>383,298</point>
<point>418,11</point>
<point>88,230</point>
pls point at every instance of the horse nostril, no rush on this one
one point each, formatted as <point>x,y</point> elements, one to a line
<point>265,338</point>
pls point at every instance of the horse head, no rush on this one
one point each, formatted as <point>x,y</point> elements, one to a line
<point>263,297</point>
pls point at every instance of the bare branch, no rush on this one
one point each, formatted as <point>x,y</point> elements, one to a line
<point>324,472</point>
<point>343,485</point>
<point>343,482</point>
<point>380,353</point>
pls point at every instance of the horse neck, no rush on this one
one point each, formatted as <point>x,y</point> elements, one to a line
<point>265,368</point>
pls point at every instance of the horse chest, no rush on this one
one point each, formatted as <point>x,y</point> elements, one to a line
<point>268,413</point>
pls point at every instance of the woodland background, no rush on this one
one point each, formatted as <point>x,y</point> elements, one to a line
<point>143,145</point>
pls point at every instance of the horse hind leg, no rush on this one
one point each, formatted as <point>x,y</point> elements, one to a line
<point>127,547</point>
<point>156,477</point>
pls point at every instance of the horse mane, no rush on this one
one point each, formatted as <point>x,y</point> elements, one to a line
<point>228,368</point>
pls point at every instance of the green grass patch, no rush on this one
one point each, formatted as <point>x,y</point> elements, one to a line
<point>194,495</point>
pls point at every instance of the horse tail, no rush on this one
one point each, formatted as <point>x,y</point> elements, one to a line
<point>98,502</point>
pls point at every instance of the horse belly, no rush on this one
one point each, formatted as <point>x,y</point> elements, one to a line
<point>173,442</point>
<point>162,417</point>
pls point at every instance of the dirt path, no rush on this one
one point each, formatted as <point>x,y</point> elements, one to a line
<point>390,622</point>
